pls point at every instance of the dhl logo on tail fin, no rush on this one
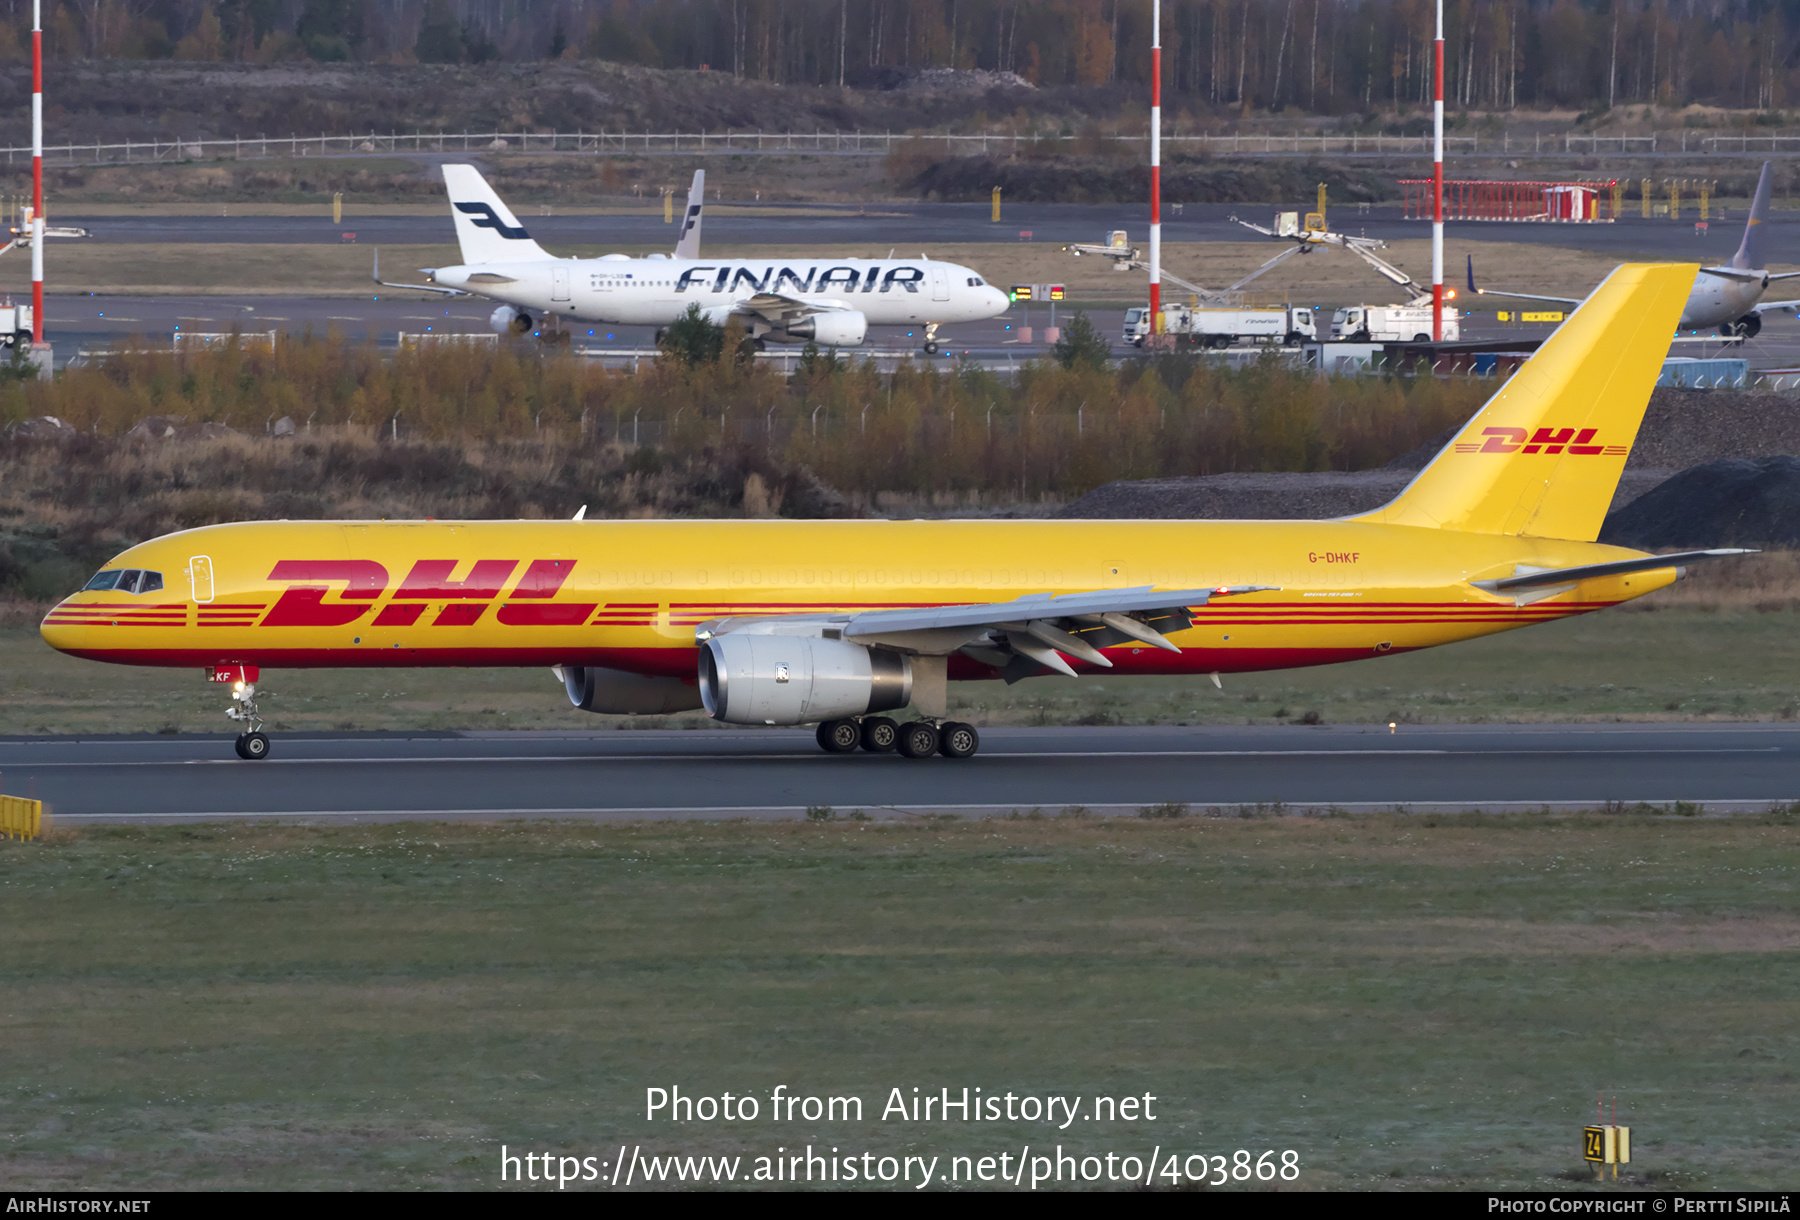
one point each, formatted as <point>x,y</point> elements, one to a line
<point>1544,456</point>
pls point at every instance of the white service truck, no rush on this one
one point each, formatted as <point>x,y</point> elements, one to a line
<point>1220,328</point>
<point>1389,324</point>
<point>15,324</point>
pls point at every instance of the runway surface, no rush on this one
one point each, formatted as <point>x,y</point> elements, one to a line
<point>914,224</point>
<point>616,774</point>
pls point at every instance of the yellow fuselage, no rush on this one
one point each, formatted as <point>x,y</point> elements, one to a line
<point>629,594</point>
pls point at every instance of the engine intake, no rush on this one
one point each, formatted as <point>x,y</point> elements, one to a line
<point>784,679</point>
<point>838,328</point>
<point>615,692</point>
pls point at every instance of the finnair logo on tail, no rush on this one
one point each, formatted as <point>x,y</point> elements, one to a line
<point>693,217</point>
<point>484,218</point>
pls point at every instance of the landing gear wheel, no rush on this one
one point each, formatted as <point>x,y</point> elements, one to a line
<point>880,735</point>
<point>931,349</point>
<point>662,332</point>
<point>253,747</point>
<point>839,736</point>
<point>919,739</point>
<point>959,740</point>
<point>1421,338</point>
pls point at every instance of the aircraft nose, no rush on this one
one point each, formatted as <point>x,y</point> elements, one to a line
<point>61,628</point>
<point>998,301</point>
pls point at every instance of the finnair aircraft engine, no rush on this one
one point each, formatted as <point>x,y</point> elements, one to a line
<point>839,328</point>
<point>784,679</point>
<point>509,321</point>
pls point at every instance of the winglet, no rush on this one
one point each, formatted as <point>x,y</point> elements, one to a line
<point>1476,291</point>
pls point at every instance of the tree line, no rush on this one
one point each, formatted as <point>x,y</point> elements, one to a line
<point>1317,56</point>
<point>1057,428</point>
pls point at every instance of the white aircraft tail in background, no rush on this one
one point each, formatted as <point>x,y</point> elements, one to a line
<point>486,229</point>
<point>688,244</point>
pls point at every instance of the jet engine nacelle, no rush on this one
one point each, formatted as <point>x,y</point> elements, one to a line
<point>615,692</point>
<point>839,328</point>
<point>509,321</point>
<point>784,679</point>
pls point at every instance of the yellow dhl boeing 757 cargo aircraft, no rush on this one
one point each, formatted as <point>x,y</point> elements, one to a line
<point>834,622</point>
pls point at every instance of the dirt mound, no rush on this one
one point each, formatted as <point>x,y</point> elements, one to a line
<point>1726,503</point>
<point>1684,428</point>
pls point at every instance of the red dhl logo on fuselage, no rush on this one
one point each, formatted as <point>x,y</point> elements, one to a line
<point>364,580</point>
<point>1544,440</point>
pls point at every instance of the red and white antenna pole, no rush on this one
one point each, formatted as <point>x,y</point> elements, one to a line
<point>1156,318</point>
<point>37,171</point>
<point>1437,182</point>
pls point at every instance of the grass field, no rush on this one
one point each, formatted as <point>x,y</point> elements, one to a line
<point>1683,662</point>
<point>1406,1002</point>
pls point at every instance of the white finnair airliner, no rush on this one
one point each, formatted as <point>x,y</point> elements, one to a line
<point>829,301</point>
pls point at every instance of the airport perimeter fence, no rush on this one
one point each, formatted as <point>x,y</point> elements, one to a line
<point>878,143</point>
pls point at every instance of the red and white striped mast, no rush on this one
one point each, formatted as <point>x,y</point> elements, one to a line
<point>1156,318</point>
<point>1437,183</point>
<point>37,171</point>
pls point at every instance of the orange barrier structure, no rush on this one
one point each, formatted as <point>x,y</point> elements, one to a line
<point>1568,202</point>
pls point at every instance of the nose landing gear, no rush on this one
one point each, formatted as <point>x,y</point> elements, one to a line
<point>253,743</point>
<point>931,343</point>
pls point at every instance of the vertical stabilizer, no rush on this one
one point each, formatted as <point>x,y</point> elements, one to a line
<point>688,244</point>
<point>1751,255</point>
<point>486,229</point>
<point>1543,457</point>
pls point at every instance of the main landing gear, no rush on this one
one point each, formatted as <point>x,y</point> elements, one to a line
<point>253,743</point>
<point>914,739</point>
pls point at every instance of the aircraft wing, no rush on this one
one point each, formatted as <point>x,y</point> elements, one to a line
<point>1517,296</point>
<point>777,307</point>
<point>1732,273</point>
<point>1022,637</point>
<point>441,291</point>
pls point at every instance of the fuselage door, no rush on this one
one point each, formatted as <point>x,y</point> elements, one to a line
<point>200,579</point>
<point>940,283</point>
<point>559,283</point>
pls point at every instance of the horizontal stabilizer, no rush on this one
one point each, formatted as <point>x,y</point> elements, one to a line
<point>1587,571</point>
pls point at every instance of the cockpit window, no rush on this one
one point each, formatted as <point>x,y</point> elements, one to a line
<point>128,580</point>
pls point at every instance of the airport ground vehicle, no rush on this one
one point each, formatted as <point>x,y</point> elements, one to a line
<point>1390,324</point>
<point>1220,328</point>
<point>837,623</point>
<point>15,324</point>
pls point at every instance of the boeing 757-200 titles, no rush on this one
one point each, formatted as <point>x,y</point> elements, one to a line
<point>838,623</point>
<point>829,301</point>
